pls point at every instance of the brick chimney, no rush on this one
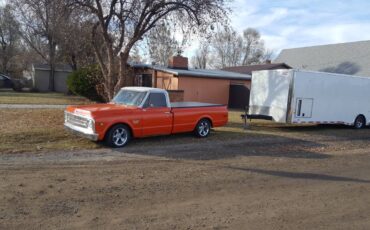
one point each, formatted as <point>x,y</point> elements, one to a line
<point>178,62</point>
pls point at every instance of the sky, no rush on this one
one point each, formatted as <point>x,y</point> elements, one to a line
<point>299,23</point>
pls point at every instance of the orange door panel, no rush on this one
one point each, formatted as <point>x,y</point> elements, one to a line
<point>156,121</point>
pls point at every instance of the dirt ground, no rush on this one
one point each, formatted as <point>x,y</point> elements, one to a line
<point>297,178</point>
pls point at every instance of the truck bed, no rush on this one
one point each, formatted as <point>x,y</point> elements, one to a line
<point>192,104</point>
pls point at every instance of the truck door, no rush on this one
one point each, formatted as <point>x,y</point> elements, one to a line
<point>157,117</point>
<point>304,107</point>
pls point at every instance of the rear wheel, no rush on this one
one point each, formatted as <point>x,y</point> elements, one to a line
<point>118,136</point>
<point>360,122</point>
<point>203,128</point>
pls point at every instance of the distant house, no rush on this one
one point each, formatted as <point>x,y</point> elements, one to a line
<point>40,75</point>
<point>186,84</point>
<point>248,69</point>
<point>239,96</point>
<point>351,58</point>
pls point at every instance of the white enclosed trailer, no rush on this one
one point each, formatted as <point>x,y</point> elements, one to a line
<point>301,97</point>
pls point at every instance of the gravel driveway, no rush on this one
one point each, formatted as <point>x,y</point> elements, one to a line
<point>252,183</point>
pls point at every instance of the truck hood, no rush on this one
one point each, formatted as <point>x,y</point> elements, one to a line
<point>97,109</point>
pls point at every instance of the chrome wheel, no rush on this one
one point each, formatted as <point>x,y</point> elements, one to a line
<point>120,137</point>
<point>203,128</point>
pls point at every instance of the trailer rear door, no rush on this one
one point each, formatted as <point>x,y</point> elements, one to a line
<point>270,94</point>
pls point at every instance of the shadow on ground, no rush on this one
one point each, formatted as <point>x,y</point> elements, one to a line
<point>333,131</point>
<point>300,175</point>
<point>185,146</point>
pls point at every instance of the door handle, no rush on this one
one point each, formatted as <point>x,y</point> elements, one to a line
<point>167,112</point>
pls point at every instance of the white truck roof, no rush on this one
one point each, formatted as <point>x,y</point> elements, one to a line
<point>150,90</point>
<point>145,89</point>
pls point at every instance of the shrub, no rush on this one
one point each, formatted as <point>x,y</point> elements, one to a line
<point>84,82</point>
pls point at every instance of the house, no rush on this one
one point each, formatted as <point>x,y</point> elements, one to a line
<point>40,75</point>
<point>239,96</point>
<point>186,84</point>
<point>351,58</point>
<point>248,69</point>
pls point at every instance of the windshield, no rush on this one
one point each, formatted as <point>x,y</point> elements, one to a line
<point>129,97</point>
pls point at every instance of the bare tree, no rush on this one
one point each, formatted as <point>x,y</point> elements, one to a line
<point>123,23</point>
<point>74,43</point>
<point>201,59</point>
<point>268,55</point>
<point>42,22</point>
<point>227,48</point>
<point>9,38</point>
<point>253,47</point>
<point>135,55</point>
<point>161,44</point>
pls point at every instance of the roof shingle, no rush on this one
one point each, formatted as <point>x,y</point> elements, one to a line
<point>205,73</point>
<point>250,68</point>
<point>351,58</point>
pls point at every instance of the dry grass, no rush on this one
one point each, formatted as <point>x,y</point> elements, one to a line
<point>12,97</point>
<point>36,130</point>
<point>235,128</point>
<point>33,130</point>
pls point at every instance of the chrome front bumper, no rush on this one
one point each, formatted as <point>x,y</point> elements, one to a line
<point>81,132</point>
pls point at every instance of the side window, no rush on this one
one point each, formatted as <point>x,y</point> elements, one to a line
<point>156,100</point>
<point>2,78</point>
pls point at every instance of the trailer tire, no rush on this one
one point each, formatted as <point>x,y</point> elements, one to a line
<point>118,136</point>
<point>203,128</point>
<point>360,122</point>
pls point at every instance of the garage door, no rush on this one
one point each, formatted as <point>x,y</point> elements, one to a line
<point>238,97</point>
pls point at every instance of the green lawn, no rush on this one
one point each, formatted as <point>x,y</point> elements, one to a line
<point>12,97</point>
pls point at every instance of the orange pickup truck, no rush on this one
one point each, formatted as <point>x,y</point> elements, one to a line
<point>137,112</point>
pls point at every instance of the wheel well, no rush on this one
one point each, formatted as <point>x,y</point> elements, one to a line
<point>110,127</point>
<point>206,118</point>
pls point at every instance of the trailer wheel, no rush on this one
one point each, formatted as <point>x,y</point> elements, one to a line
<point>360,122</point>
<point>118,136</point>
<point>203,128</point>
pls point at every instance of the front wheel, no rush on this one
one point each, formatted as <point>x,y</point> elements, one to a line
<point>203,128</point>
<point>360,122</point>
<point>118,136</point>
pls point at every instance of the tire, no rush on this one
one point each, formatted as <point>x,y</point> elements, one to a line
<point>118,136</point>
<point>360,122</point>
<point>203,128</point>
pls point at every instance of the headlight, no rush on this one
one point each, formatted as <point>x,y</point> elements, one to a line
<point>91,124</point>
<point>65,117</point>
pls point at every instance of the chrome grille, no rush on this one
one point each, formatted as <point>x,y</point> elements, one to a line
<point>76,120</point>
